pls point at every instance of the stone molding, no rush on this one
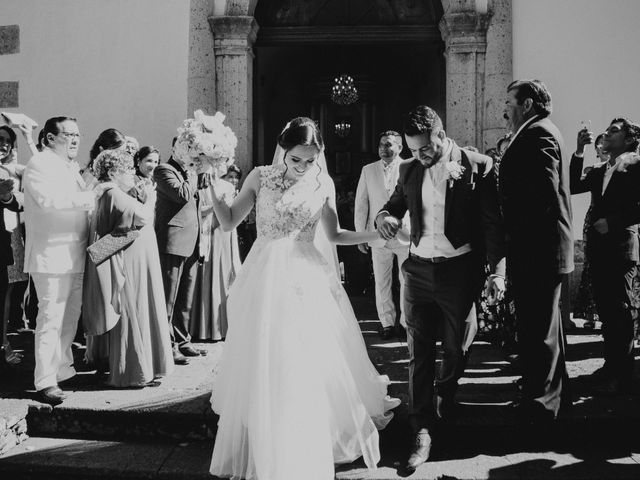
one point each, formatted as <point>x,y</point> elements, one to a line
<point>233,35</point>
<point>352,35</point>
<point>465,32</point>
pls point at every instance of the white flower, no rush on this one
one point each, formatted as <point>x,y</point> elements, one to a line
<point>454,170</point>
<point>205,138</point>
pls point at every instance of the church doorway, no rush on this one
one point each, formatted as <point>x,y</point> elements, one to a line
<point>393,51</point>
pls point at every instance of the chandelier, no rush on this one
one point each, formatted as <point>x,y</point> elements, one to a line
<point>342,129</point>
<point>344,91</point>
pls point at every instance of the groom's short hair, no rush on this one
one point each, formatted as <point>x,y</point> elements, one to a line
<point>422,119</point>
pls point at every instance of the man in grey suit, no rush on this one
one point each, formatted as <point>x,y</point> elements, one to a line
<point>177,227</point>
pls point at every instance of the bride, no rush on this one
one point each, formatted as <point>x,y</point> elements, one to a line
<point>295,389</point>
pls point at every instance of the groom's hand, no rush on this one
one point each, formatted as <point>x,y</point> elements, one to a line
<point>363,247</point>
<point>388,226</point>
<point>495,289</point>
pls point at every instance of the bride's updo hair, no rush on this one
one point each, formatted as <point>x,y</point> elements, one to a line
<point>301,131</point>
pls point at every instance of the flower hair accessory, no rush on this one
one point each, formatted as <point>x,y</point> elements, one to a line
<point>205,136</point>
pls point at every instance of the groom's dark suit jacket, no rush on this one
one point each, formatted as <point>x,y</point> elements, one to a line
<point>472,213</point>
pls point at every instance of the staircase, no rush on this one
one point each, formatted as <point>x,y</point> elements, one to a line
<point>168,432</point>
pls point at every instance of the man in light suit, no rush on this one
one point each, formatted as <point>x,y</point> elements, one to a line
<point>455,228</point>
<point>377,182</point>
<point>56,208</point>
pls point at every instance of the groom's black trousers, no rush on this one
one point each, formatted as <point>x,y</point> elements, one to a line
<point>437,301</point>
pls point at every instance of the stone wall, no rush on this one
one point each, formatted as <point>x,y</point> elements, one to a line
<point>9,44</point>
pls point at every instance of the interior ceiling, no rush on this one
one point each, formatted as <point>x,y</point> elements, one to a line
<point>281,13</point>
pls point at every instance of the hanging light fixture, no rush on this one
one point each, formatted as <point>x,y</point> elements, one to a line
<point>342,129</point>
<point>344,91</point>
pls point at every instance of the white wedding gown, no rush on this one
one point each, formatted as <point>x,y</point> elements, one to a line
<point>295,389</point>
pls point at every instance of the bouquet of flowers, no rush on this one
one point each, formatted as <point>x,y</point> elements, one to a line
<point>205,138</point>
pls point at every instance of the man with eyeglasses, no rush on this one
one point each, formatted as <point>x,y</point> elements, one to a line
<point>376,184</point>
<point>56,207</point>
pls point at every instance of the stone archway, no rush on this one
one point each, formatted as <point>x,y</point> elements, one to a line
<point>478,50</point>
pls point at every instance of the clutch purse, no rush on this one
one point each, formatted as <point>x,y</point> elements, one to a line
<point>110,244</point>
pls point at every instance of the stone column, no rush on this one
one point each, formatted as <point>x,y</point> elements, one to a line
<point>498,71</point>
<point>201,68</point>
<point>465,37</point>
<point>233,39</point>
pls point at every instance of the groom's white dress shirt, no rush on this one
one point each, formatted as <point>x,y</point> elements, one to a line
<point>434,243</point>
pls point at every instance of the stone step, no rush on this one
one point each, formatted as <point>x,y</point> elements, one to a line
<point>13,424</point>
<point>178,409</point>
<point>71,459</point>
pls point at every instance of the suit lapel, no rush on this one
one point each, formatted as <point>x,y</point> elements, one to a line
<point>599,180</point>
<point>379,171</point>
<point>452,187</point>
<point>613,182</point>
<point>419,179</point>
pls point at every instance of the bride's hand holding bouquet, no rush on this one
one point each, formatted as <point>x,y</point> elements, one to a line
<point>204,144</point>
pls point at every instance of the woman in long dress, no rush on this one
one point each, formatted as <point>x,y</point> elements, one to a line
<point>124,311</point>
<point>220,261</point>
<point>295,390</point>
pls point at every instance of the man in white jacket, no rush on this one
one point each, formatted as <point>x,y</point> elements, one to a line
<point>377,182</point>
<point>56,208</point>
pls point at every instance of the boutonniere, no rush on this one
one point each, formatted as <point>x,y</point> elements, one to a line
<point>454,172</point>
<point>625,160</point>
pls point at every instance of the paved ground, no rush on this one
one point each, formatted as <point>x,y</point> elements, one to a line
<point>485,442</point>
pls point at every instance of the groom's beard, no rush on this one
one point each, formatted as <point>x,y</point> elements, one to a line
<point>430,162</point>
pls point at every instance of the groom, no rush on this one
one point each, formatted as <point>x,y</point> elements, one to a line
<point>455,228</point>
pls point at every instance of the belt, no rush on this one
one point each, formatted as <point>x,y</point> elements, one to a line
<point>429,259</point>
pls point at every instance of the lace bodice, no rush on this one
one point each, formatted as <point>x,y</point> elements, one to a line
<point>286,210</point>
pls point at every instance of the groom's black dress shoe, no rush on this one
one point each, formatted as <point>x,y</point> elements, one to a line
<point>51,395</point>
<point>445,407</point>
<point>421,450</point>
<point>401,333</point>
<point>387,333</point>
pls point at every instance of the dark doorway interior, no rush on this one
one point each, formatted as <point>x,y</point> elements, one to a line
<point>390,79</point>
